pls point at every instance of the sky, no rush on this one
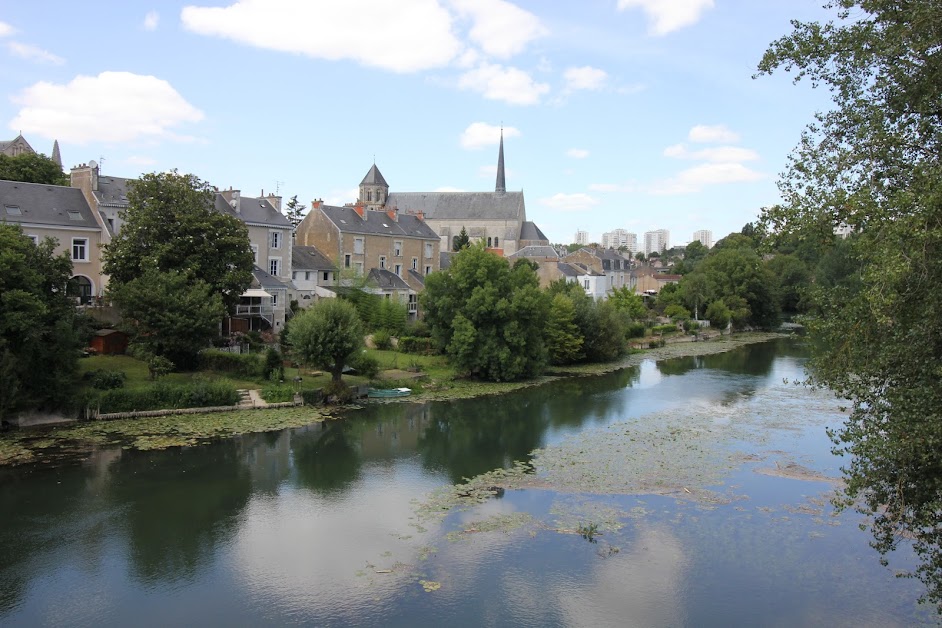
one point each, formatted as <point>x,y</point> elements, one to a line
<point>631,114</point>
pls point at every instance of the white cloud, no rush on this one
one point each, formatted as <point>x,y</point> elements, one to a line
<point>500,28</point>
<point>717,154</point>
<point>32,53</point>
<point>110,107</point>
<point>570,202</point>
<point>585,77</point>
<point>577,153</point>
<point>481,134</point>
<point>137,160</point>
<point>6,29</point>
<point>507,84</point>
<point>151,20</point>
<point>401,36</point>
<point>696,178</point>
<point>704,134</point>
<point>666,16</point>
<point>338,198</point>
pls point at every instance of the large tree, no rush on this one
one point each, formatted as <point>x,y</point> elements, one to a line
<point>32,168</point>
<point>488,316</point>
<point>174,239</point>
<point>294,211</point>
<point>39,330</point>
<point>874,163</point>
<point>327,335</point>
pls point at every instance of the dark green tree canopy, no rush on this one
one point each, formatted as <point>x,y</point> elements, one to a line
<point>461,241</point>
<point>327,335</point>
<point>874,163</point>
<point>32,168</point>
<point>171,225</point>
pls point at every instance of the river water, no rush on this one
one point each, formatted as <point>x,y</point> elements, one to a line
<point>688,492</point>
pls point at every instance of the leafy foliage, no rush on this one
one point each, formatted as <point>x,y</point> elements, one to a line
<point>294,211</point>
<point>462,241</point>
<point>327,335</point>
<point>874,163</point>
<point>32,168</point>
<point>487,316</point>
<point>39,328</point>
<point>563,339</point>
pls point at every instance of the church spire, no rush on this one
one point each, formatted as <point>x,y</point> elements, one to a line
<point>56,157</point>
<point>501,184</point>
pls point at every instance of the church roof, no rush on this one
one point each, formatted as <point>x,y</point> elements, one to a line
<point>529,231</point>
<point>374,177</point>
<point>501,184</point>
<point>378,223</point>
<point>41,204</point>
<point>462,205</point>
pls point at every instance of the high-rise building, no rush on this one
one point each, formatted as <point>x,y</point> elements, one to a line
<point>582,237</point>
<point>705,236</point>
<point>657,240</point>
<point>620,238</point>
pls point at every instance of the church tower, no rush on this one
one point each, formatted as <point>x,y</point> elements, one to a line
<point>373,189</point>
<point>501,186</point>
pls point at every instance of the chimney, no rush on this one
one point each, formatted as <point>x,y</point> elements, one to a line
<point>232,197</point>
<point>85,177</point>
<point>316,204</point>
<point>420,215</point>
<point>274,200</point>
<point>393,215</point>
<point>358,208</point>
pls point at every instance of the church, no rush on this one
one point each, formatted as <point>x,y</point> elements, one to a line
<point>498,218</point>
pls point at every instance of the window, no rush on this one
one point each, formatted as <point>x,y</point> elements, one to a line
<point>34,238</point>
<point>80,249</point>
<point>399,269</point>
<point>397,248</point>
<point>274,266</point>
<point>307,275</point>
<point>255,253</point>
<point>14,210</point>
<point>369,195</point>
<point>358,246</point>
<point>586,284</point>
<point>294,274</point>
<point>415,263</point>
<point>274,239</point>
<point>274,299</point>
<point>326,275</point>
<point>428,249</point>
<point>358,267</point>
<point>490,242</point>
<point>346,261</point>
<point>382,262</point>
<point>428,270</point>
<point>496,245</point>
<point>413,303</point>
<point>75,215</point>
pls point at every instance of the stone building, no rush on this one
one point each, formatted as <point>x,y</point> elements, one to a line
<point>19,146</point>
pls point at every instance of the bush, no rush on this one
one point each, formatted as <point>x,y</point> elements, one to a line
<point>158,366</point>
<point>245,365</point>
<point>382,340</point>
<point>664,329</point>
<point>200,393</point>
<point>365,364</point>
<point>278,394</point>
<point>273,368</point>
<point>340,392</point>
<point>654,344</point>
<point>418,329</point>
<point>102,379</point>
<point>138,352</point>
<point>312,396</point>
<point>413,344</point>
<point>634,330</point>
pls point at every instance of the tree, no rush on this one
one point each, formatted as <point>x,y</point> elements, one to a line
<point>640,256</point>
<point>39,329</point>
<point>563,340</point>
<point>627,301</point>
<point>718,314</point>
<point>488,316</point>
<point>32,168</point>
<point>327,335</point>
<point>461,241</point>
<point>294,211</point>
<point>171,225</point>
<point>874,163</point>
<point>169,313</point>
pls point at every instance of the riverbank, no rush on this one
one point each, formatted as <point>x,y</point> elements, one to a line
<point>77,440</point>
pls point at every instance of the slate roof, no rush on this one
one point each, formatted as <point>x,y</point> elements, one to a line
<point>578,269</point>
<point>378,223</point>
<point>461,205</point>
<point>309,258</point>
<point>529,231</point>
<point>374,177</point>
<point>255,210</point>
<point>536,251</point>
<point>42,204</point>
<point>417,276</point>
<point>267,281</point>
<point>568,270</point>
<point>387,280</point>
<point>112,191</point>
<point>444,259</point>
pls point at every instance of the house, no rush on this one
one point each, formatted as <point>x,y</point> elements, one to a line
<point>591,281</point>
<point>262,307</point>
<point>107,196</point>
<point>608,262</point>
<point>61,213</point>
<point>545,257</point>
<point>363,240</point>
<point>647,280</point>
<point>312,273</point>
<point>269,229</point>
<point>498,218</point>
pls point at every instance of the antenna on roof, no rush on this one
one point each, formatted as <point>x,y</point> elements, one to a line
<point>278,185</point>
<point>101,161</point>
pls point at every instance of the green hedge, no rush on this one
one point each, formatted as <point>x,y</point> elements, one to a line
<point>165,395</point>
<point>278,393</point>
<point>246,365</point>
<point>414,344</point>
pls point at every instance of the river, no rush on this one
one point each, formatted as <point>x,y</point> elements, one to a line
<point>692,491</point>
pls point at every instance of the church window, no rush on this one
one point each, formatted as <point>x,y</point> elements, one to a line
<point>490,242</point>
<point>369,195</point>
<point>496,245</point>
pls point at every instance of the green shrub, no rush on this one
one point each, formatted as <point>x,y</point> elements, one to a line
<point>200,393</point>
<point>365,364</point>
<point>278,393</point>
<point>664,329</point>
<point>382,340</point>
<point>634,330</point>
<point>102,379</point>
<point>245,365</point>
<point>419,329</point>
<point>312,396</point>
<point>158,366</point>
<point>273,368</point>
<point>413,344</point>
<point>138,352</point>
<point>339,392</point>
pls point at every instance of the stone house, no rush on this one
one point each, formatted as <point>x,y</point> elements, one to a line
<point>62,213</point>
<point>592,282</point>
<point>312,273</point>
<point>608,262</point>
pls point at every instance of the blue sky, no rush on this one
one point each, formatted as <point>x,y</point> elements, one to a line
<point>634,114</point>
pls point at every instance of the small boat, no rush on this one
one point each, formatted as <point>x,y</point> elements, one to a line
<point>388,392</point>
